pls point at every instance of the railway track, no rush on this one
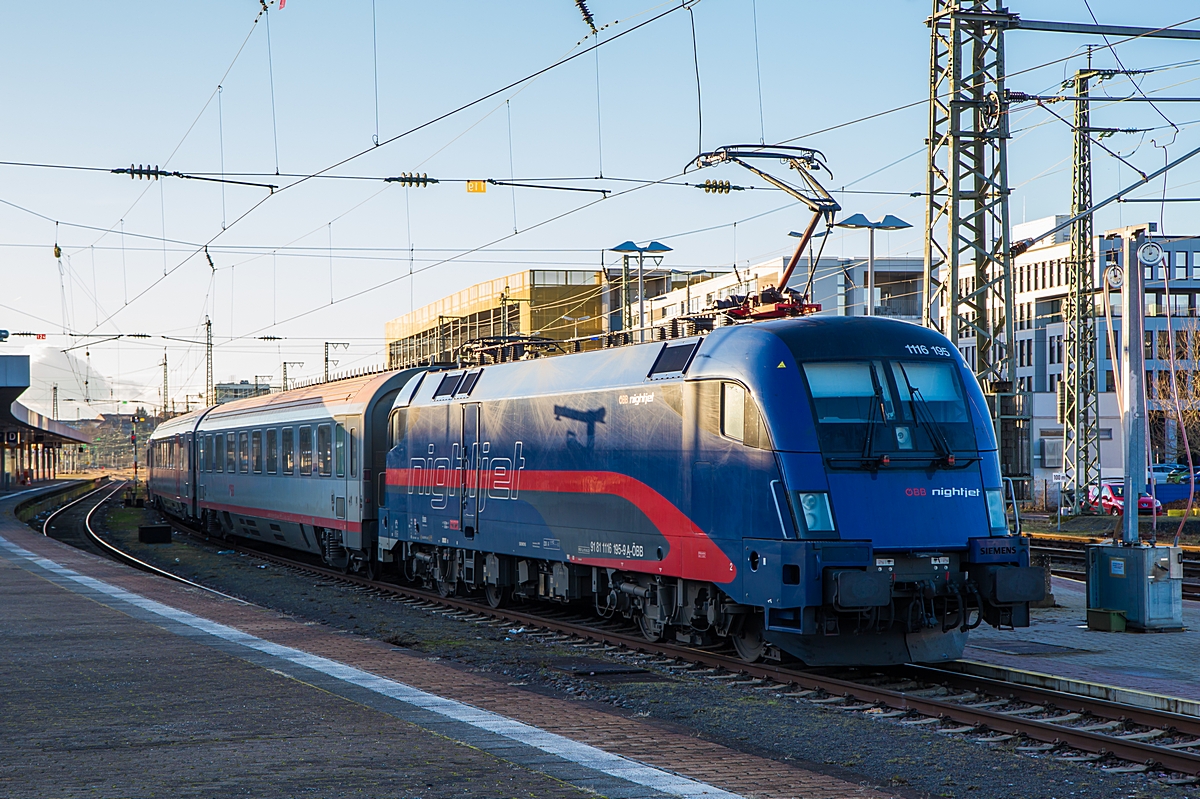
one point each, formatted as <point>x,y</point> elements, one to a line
<point>1068,558</point>
<point>72,524</point>
<point>1116,737</point>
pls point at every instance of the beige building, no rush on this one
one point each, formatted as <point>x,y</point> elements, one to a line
<point>562,305</point>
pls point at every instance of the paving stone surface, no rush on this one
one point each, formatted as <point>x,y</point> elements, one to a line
<point>96,702</point>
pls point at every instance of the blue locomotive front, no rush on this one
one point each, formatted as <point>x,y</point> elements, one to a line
<point>826,487</point>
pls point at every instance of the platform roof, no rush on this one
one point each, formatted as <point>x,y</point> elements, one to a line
<point>21,425</point>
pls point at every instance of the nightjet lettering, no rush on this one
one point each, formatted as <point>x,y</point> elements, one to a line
<point>949,493</point>
<point>478,476</point>
<point>635,399</point>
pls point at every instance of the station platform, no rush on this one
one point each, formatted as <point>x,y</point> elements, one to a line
<point>1059,643</point>
<point>117,683</point>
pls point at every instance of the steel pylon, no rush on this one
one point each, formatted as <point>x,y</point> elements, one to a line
<point>967,288</point>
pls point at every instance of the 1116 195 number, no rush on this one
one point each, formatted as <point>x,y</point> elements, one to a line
<point>921,349</point>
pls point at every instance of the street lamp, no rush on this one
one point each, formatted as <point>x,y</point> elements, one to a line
<point>656,250</point>
<point>888,222</point>
<point>576,320</point>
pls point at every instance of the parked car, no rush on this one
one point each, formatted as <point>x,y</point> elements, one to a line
<point>1111,500</point>
<point>1181,475</point>
<point>1159,472</point>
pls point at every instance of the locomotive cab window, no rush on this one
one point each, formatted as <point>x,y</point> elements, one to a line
<point>396,426</point>
<point>897,408</point>
<point>733,411</point>
<point>324,450</point>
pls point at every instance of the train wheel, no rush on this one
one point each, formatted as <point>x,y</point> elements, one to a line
<point>370,569</point>
<point>748,642</point>
<point>446,588</point>
<point>652,631</point>
<point>497,597</point>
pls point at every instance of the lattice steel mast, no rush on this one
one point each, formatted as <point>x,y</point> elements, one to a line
<point>1080,398</point>
<point>967,288</point>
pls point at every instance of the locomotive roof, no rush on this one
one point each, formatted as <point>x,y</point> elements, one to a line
<point>727,351</point>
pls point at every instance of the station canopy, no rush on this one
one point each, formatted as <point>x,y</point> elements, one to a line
<point>20,425</point>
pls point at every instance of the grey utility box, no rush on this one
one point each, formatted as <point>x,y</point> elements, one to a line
<point>1146,582</point>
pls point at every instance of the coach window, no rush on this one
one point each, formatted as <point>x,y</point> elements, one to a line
<point>306,450</point>
<point>231,453</point>
<point>353,452</point>
<point>202,444</point>
<point>733,411</point>
<point>289,450</point>
<point>272,450</point>
<point>324,450</point>
<point>244,452</point>
<point>339,452</point>
<point>219,452</point>
<point>256,451</point>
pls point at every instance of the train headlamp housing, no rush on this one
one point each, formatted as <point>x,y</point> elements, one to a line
<point>997,518</point>
<point>815,511</point>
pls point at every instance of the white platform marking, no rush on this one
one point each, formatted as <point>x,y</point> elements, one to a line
<point>551,743</point>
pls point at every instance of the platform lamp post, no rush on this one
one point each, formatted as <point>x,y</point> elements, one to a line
<point>656,250</point>
<point>888,222</point>
<point>576,320</point>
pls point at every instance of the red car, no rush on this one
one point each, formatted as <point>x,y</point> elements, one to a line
<point>1112,500</point>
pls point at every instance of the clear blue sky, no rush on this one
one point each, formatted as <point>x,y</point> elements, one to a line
<point>107,85</point>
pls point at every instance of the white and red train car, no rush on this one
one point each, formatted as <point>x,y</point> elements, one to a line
<point>302,468</point>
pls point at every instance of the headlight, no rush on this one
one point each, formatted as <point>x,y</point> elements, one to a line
<point>997,519</point>
<point>818,518</point>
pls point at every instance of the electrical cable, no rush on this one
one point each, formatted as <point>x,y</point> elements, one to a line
<point>375,63</point>
<point>1171,346</point>
<point>699,101</point>
<point>271,76</point>
<point>399,136</point>
<point>1087,4</point>
<point>762,127</point>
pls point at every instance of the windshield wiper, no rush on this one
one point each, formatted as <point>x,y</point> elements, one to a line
<point>876,407</point>
<point>924,415</point>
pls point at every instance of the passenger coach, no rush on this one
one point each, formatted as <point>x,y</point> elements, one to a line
<point>302,468</point>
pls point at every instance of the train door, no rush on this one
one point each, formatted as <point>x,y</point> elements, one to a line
<point>350,432</point>
<point>469,471</point>
<point>338,487</point>
<point>175,464</point>
<point>185,471</point>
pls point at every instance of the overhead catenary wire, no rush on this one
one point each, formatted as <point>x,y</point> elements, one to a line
<point>397,137</point>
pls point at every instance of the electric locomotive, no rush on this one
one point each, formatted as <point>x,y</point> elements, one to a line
<point>826,487</point>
